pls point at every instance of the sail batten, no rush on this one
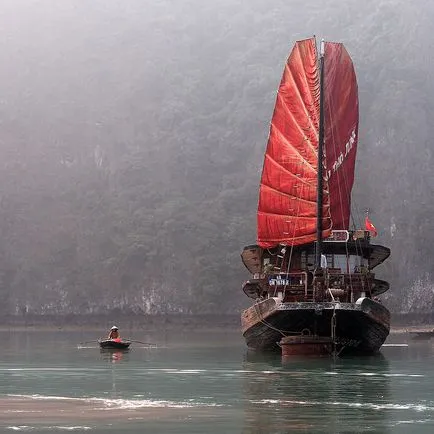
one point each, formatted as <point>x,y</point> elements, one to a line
<point>295,198</point>
<point>304,179</point>
<point>311,161</point>
<point>312,125</point>
<point>287,194</point>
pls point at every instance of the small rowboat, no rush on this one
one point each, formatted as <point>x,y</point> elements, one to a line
<point>114,344</point>
<point>306,345</point>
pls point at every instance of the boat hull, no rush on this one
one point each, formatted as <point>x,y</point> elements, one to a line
<point>360,327</point>
<point>109,344</point>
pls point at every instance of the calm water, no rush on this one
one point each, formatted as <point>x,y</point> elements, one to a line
<point>208,383</point>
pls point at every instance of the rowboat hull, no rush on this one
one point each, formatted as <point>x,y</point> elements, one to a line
<point>110,344</point>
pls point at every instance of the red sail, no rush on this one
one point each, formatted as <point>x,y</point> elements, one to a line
<point>287,209</point>
<point>287,195</point>
<point>341,122</point>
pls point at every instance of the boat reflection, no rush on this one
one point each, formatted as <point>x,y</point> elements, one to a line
<point>114,355</point>
<point>315,395</point>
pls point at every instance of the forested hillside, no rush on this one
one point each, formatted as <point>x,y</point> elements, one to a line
<point>132,136</point>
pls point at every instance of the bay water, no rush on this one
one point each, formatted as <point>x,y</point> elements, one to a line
<point>57,381</point>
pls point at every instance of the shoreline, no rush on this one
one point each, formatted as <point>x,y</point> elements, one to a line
<point>126,321</point>
<point>394,330</point>
<point>169,322</point>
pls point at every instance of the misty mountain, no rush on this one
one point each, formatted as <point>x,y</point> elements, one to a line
<point>132,138</point>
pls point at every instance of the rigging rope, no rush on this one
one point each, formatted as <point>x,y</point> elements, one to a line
<point>296,216</point>
<point>343,175</point>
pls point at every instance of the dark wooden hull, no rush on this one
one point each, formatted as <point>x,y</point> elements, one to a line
<point>109,344</point>
<point>360,327</point>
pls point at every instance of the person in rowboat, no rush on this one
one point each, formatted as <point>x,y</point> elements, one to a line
<point>114,334</point>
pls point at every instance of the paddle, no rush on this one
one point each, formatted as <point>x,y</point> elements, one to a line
<point>87,342</point>
<point>140,342</point>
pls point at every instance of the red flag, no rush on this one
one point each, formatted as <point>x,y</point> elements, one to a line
<point>369,226</point>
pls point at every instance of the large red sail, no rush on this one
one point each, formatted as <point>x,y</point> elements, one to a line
<point>287,209</point>
<point>287,195</point>
<point>341,122</point>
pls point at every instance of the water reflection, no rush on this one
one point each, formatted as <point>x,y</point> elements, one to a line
<point>419,349</point>
<point>114,355</point>
<point>315,394</point>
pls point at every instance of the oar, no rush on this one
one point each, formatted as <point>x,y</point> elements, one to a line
<point>140,342</point>
<point>87,342</point>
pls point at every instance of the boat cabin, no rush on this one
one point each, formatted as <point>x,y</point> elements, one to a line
<point>290,273</point>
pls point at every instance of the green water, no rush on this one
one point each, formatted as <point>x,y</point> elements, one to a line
<point>209,383</point>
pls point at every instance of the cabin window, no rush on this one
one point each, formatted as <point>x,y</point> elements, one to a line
<point>266,265</point>
<point>296,261</point>
<point>348,264</point>
<point>308,261</point>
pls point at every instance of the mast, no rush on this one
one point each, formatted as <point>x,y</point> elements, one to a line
<point>320,160</point>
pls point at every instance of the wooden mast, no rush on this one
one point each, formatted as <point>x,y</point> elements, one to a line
<point>320,181</point>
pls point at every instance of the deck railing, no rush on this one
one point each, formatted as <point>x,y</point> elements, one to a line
<point>299,286</point>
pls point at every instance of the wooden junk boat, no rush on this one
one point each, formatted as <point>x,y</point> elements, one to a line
<point>313,284</point>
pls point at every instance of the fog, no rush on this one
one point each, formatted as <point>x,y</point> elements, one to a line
<point>132,136</point>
